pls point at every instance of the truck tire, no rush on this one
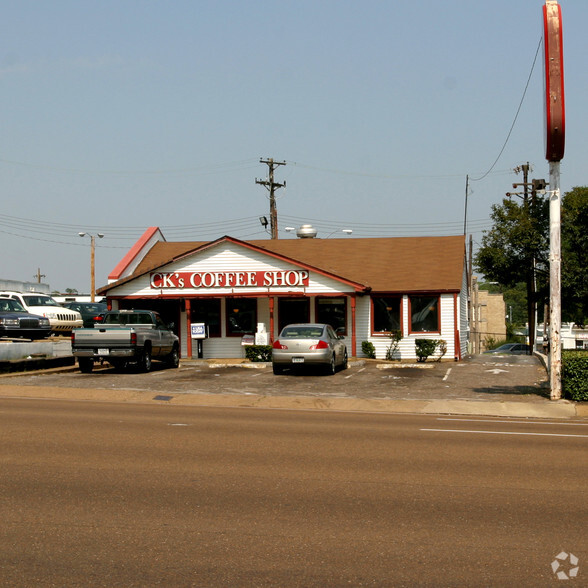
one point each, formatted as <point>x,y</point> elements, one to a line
<point>173,359</point>
<point>86,364</point>
<point>145,360</point>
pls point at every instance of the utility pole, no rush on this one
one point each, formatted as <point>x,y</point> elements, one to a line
<point>39,275</point>
<point>530,269</point>
<point>272,186</point>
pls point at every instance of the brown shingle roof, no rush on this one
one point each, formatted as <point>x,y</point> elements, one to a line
<point>398,264</point>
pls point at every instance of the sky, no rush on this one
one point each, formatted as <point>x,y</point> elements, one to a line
<point>121,115</point>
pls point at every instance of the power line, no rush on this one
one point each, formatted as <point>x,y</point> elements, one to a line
<point>515,118</point>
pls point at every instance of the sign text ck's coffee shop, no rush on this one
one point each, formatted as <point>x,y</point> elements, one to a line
<point>228,290</point>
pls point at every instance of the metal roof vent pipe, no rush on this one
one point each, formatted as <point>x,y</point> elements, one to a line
<point>306,232</point>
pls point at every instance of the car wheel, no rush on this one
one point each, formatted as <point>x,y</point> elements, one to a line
<point>278,369</point>
<point>173,359</point>
<point>344,365</point>
<point>145,361</point>
<point>331,368</point>
<point>86,365</point>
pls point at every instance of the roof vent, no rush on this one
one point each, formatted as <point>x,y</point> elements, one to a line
<point>306,232</point>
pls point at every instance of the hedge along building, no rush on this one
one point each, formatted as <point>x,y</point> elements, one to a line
<point>365,288</point>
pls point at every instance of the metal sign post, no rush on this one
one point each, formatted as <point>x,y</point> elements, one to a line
<point>554,151</point>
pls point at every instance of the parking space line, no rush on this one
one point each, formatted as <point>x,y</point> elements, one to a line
<point>446,375</point>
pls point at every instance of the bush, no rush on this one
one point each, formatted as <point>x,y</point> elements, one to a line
<point>574,375</point>
<point>395,338</point>
<point>258,353</point>
<point>368,349</point>
<point>425,348</point>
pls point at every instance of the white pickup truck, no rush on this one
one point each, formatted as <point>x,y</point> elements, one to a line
<point>124,337</point>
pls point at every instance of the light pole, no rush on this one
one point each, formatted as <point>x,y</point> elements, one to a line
<point>92,262</point>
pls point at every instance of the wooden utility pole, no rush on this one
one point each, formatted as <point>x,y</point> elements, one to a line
<point>530,269</point>
<point>39,275</point>
<point>272,186</point>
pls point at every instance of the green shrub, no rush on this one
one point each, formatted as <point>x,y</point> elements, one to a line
<point>395,338</point>
<point>258,353</point>
<point>368,349</point>
<point>574,375</point>
<point>425,348</point>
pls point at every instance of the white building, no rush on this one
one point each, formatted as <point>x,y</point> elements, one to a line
<point>365,288</point>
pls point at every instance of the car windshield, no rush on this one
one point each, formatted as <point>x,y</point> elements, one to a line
<point>8,305</point>
<point>39,301</point>
<point>302,332</point>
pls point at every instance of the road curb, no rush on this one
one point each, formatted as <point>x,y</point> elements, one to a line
<point>561,409</point>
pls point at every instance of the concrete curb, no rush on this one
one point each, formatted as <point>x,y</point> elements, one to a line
<point>562,409</point>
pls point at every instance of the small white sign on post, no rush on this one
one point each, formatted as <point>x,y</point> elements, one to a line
<point>198,330</point>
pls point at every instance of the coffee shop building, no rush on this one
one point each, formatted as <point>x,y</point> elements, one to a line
<point>224,294</point>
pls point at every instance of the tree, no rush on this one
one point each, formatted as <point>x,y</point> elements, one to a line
<point>516,249</point>
<point>574,253</point>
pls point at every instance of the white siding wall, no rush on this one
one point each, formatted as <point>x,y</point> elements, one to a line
<point>224,258</point>
<point>464,328</point>
<point>406,348</point>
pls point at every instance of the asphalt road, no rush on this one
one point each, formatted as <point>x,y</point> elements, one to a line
<point>110,494</point>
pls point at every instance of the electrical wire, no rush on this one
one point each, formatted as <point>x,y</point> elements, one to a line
<point>515,118</point>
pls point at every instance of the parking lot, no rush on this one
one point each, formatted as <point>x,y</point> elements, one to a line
<point>479,377</point>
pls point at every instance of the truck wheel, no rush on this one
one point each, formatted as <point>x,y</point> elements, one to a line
<point>145,361</point>
<point>86,364</point>
<point>173,359</point>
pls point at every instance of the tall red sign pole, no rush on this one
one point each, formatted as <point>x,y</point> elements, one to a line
<point>554,152</point>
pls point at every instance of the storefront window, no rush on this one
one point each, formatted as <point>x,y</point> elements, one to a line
<point>424,312</point>
<point>332,311</point>
<point>386,314</point>
<point>241,316</point>
<point>207,311</point>
<point>292,310</point>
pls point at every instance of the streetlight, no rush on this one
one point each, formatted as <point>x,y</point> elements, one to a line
<point>92,261</point>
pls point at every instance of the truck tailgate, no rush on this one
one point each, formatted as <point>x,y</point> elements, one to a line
<point>103,337</point>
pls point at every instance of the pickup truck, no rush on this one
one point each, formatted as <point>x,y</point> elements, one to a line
<point>124,337</point>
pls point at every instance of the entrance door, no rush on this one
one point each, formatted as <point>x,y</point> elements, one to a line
<point>293,310</point>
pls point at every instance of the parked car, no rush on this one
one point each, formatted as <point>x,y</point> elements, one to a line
<point>511,349</point>
<point>61,319</point>
<point>16,322</point>
<point>309,344</point>
<point>92,312</point>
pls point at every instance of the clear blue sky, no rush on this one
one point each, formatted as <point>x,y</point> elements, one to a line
<point>119,115</point>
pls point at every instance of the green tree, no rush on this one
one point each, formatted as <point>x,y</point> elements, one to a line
<point>574,253</point>
<point>516,249</point>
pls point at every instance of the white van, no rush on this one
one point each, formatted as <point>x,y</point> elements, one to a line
<point>62,320</point>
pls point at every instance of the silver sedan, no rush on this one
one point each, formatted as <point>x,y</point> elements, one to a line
<point>309,344</point>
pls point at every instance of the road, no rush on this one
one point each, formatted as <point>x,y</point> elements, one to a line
<point>110,494</point>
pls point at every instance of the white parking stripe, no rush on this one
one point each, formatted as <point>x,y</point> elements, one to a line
<point>502,433</point>
<point>446,375</point>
